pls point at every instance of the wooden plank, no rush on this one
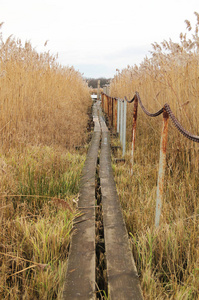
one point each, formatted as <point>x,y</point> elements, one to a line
<point>80,276</point>
<point>123,281</point>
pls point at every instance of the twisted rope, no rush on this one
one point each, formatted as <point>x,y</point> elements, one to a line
<point>174,120</point>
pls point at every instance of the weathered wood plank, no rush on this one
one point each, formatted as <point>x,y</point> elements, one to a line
<point>80,276</point>
<point>123,281</point>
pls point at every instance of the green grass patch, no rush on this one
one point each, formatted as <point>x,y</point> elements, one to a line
<point>38,193</point>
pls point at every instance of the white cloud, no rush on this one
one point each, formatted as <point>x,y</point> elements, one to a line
<point>105,33</point>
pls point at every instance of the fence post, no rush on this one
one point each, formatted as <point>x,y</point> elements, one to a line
<point>162,164</point>
<point>112,112</point>
<point>118,115</point>
<point>106,104</point>
<point>135,108</point>
<point>115,114</point>
<point>121,120</point>
<point>102,101</point>
<point>124,129</point>
<point>109,102</point>
<point>109,110</point>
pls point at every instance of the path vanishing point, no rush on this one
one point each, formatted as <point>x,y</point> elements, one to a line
<point>100,258</point>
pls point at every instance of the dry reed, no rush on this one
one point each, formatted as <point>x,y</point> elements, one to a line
<point>43,115</point>
<point>167,257</point>
<point>41,101</point>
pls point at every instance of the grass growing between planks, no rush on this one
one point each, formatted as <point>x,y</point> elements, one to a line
<point>39,188</point>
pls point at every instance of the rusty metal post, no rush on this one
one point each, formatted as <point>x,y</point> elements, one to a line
<point>162,164</point>
<point>135,109</point>
<point>118,116</point>
<point>109,109</point>
<point>112,112</point>
<point>124,128</point>
<point>121,120</point>
<point>115,115</point>
<point>106,105</point>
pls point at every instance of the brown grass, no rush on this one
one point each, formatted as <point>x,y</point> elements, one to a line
<point>43,116</point>
<point>167,257</point>
<point>41,101</point>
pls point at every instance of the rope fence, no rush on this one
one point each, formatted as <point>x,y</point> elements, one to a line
<point>116,110</point>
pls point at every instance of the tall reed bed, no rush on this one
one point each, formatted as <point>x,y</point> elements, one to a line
<point>43,116</point>
<point>169,76</point>
<point>166,257</point>
<point>41,102</point>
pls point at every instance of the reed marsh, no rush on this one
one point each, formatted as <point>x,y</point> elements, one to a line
<point>167,257</point>
<point>43,116</point>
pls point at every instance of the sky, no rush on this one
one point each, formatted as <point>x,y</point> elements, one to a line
<point>96,37</point>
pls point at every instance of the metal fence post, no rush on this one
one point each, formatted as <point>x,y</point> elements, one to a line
<point>108,107</point>
<point>124,128</point>
<point>121,120</point>
<point>106,104</point>
<point>118,115</point>
<point>102,101</point>
<point>112,112</point>
<point>115,113</point>
<point>162,164</point>
<point>134,131</point>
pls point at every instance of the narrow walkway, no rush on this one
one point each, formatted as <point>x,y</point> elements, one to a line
<point>123,282</point>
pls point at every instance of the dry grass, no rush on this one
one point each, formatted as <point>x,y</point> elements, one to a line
<point>43,115</point>
<point>170,76</point>
<point>167,258</point>
<point>38,194</point>
<point>41,101</point>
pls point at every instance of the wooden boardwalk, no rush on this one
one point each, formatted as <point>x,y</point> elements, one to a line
<point>123,282</point>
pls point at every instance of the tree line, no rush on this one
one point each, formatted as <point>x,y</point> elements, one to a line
<point>92,82</point>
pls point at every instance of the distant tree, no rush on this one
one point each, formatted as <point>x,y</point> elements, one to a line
<point>92,82</point>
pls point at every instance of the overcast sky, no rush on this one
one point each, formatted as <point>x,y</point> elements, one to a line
<point>96,37</point>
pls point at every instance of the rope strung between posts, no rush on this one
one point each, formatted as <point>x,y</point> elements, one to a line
<point>166,107</point>
<point>167,112</point>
